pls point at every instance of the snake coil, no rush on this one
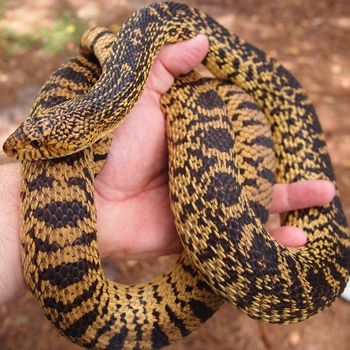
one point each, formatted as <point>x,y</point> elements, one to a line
<point>222,145</point>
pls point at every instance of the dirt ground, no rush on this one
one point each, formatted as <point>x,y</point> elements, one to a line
<point>311,38</point>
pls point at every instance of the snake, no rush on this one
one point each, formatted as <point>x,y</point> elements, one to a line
<point>230,138</point>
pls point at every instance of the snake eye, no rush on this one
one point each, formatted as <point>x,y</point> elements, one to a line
<point>35,143</point>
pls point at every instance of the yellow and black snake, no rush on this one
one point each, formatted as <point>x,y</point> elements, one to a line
<point>221,171</point>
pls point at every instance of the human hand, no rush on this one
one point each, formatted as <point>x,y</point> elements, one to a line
<point>134,217</point>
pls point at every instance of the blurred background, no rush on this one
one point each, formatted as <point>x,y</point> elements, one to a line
<point>311,38</point>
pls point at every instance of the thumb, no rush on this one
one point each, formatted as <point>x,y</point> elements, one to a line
<point>181,58</point>
<point>176,59</point>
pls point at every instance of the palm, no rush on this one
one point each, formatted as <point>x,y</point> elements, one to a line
<point>132,188</point>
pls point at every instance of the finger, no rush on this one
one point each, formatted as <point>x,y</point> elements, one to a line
<point>289,236</point>
<point>174,60</point>
<point>301,194</point>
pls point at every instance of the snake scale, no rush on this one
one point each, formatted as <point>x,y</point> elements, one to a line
<point>222,149</point>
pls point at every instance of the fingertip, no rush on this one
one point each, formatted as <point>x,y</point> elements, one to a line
<point>182,57</point>
<point>289,236</point>
<point>321,192</point>
<point>329,190</point>
<point>201,41</point>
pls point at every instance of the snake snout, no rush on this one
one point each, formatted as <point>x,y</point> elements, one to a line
<point>10,147</point>
<point>21,143</point>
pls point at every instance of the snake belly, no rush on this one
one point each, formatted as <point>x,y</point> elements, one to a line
<point>216,201</point>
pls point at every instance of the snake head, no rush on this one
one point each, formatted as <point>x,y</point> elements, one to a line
<point>45,136</point>
<point>25,142</point>
<point>30,141</point>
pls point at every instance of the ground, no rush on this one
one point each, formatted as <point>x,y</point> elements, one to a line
<point>311,38</point>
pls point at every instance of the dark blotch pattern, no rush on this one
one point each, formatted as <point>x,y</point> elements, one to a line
<point>218,138</point>
<point>44,245</point>
<point>159,337</point>
<point>176,321</point>
<point>85,238</point>
<point>52,101</point>
<point>200,310</point>
<point>79,327</point>
<point>260,211</point>
<point>67,274</point>
<point>98,37</point>
<point>100,157</point>
<point>68,307</point>
<point>210,100</point>
<point>73,75</point>
<point>62,213</point>
<point>41,181</point>
<point>224,188</point>
<point>77,181</point>
<point>118,340</point>
<point>70,160</point>
<point>249,105</point>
